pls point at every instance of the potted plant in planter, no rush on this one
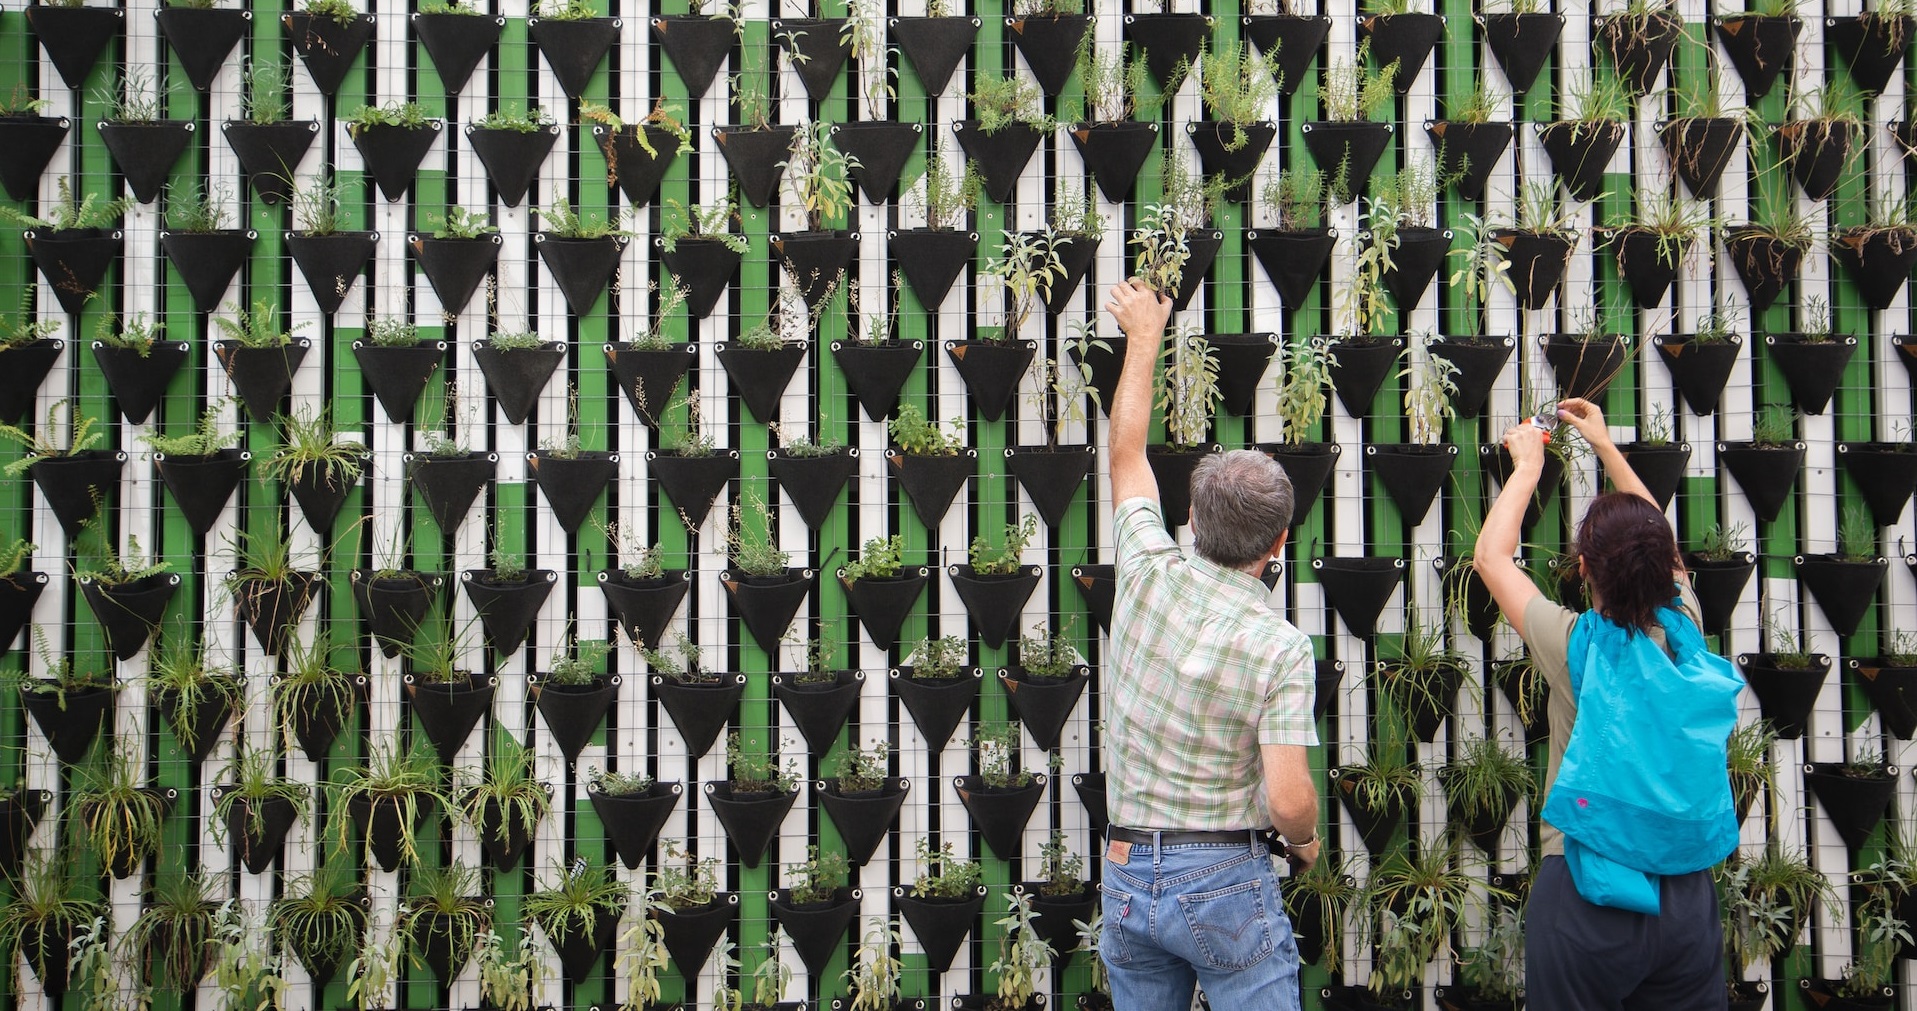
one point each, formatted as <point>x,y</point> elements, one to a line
<point>1651,245</point>
<point>1010,122</point>
<point>311,697</point>
<point>641,591</point>
<point>445,474</point>
<point>573,38</point>
<point>196,698</point>
<point>1845,582</point>
<point>581,251</point>
<point>638,154</point>
<point>517,365</point>
<point>1052,473</point>
<point>874,363</point>
<point>1423,679</point>
<point>258,356</point>
<point>878,146</point>
<point>1873,42</point>
<point>42,918</point>
<point>73,242</point>
<point>1772,897</point>
<point>700,250</point>
<point>1753,774</point>
<point>700,702</point>
<point>1175,244</point>
<point>1418,904</point>
<point>1024,959</point>
<point>137,364</point>
<point>508,981</point>
<point>144,146</point>
<point>1482,785</point>
<point>579,911</point>
<point>328,36</point>
<point>28,349</point>
<point>817,47</point>
<point>392,140</point>
<point>931,462</point>
<point>1060,895</point>
<point>1480,357</point>
<point>820,177</point>
<point>506,805</point>
<point>696,42</point>
<point>254,806</point>
<point>1346,144</point>
<point>127,593</point>
<point>1879,252</point>
<point>571,477</point>
<point>1398,34</point>
<point>872,980</point>
<point>1188,393</point>
<point>1377,791</point>
<point>174,933</point>
<point>1279,30</point>
<point>1304,387</point>
<point>1490,974</point>
<point>1639,39</point>
<point>1701,140</point>
<point>1538,245</point>
<point>935,43</point>
<point>319,919</point>
<point>1294,254</point>
<point>1701,361</point>
<point>937,687</point>
<point>765,591</point>
<point>18,591</point>
<point>633,807</point>
<point>397,364</point>
<point>881,589</point>
<point>268,144</point>
<point>1586,357</point>
<point>1889,680</point>
<point>31,141</point>
<point>315,463</point>
<point>1657,457</point>
<point>651,365</point>
<point>690,470</point>
<point>1786,677</point>
<point>1077,227</point>
<point>507,595</point>
<point>1045,684</point>
<point>457,37</point>
<point>443,915</point>
<point>200,469</point>
<point>1113,144</point>
<point>1766,466</point>
<point>440,686</point>
<point>1588,132</point>
<point>456,255</point>
<point>1001,796</point>
<point>992,363</point>
<point>1470,143</point>
<point>1238,87</point>
<point>687,911</point>
<point>1767,251</point>
<point>330,256</point>
<point>862,799</point>
<point>1047,33</point>
<point>115,816</point>
<point>387,799</point>
<point>816,907</point>
<point>754,798</point>
<point>943,901</point>
<point>994,586</point>
<point>1172,43</point>
<point>1853,794</point>
<point>820,696</point>
<point>1398,216</point>
<point>1319,903</point>
<point>512,145</point>
<point>1822,138</point>
<point>760,362</point>
<point>1760,42</point>
<point>752,148</point>
<point>573,696</point>
<point>930,258</point>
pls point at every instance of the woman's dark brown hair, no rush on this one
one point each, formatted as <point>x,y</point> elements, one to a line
<point>1629,553</point>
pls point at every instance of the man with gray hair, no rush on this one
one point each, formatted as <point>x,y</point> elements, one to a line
<point>1208,720</point>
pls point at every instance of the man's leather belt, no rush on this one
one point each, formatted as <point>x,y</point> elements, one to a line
<point>1139,837</point>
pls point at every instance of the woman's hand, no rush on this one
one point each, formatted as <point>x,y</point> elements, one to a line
<point>1584,416</point>
<point>1526,445</point>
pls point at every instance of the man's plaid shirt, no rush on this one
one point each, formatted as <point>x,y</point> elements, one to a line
<point>1202,673</point>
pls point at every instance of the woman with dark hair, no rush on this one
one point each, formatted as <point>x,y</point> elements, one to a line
<point>1581,954</point>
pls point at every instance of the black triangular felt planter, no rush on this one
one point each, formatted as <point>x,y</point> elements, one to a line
<point>129,612</point>
<point>70,727</point>
<point>18,593</point>
<point>392,153</point>
<point>1584,368</point>
<point>935,46</point>
<point>1479,610</point>
<point>1468,152</point>
<point>1114,152</point>
<point>1000,814</point>
<point>1404,39</point>
<point>1580,152</point>
<point>937,705</point>
<point>994,603</point>
<point>813,483</point>
<point>1892,691</point>
<point>816,48</point>
<point>1044,704</point>
<point>1766,474</point>
<point>1291,39</point>
<point>73,37</point>
<point>1699,370</point>
<point>931,259</point>
<point>1294,260</point>
<point>1098,586</point>
<point>572,485</point>
<point>1886,472</point>
<point>1660,467</point>
<point>270,153</point>
<point>1051,476</point>
<point>1050,46</point>
<point>692,933</point>
<point>1870,46</point>
<point>697,45</point>
<point>573,713</point>
<point>1217,157</point>
<point>941,925</point>
<point>332,264</point>
<point>1879,260</point>
<point>449,712</point>
<point>815,261</point>
<point>638,171</point>
<point>1854,804</point>
<point>699,709</point>
<point>876,372</point>
<point>1497,460</point>
<point>1356,147</point>
<point>991,371</point>
<point>817,931</point>
<point>391,608</point>
<point>146,152</point>
<point>1375,828</point>
<point>1359,368</point>
<point>201,485</point>
<point>756,157</point>
<point>1075,253</point>
<point>69,484</point>
<point>202,39</point>
<point>455,267</point>
<point>1001,156</point>
<point>1090,787</point>
<point>22,369</point>
<point>883,604</point>
<point>207,261</point>
<point>705,267</point>
<point>1480,361</point>
<point>819,709</point>
<point>582,267</point>
<point>512,157</point>
<point>258,849</point>
<point>767,603</point>
<point>431,938</point>
<point>581,950</point>
<point>272,608</point>
<point>1202,246</point>
<point>449,484</point>
<point>643,607</point>
<point>1358,587</point>
<point>1764,263</point>
<point>692,482</point>
<point>516,377</point>
<point>1812,369</point>
<point>1172,466</point>
<point>1699,148</point>
<point>633,821</point>
<point>263,376</point>
<point>1171,43</point>
<point>862,819</point>
<point>1646,269</point>
<point>317,726</point>
<point>456,43</point>
<point>750,821</point>
<point>1308,465</point>
<point>398,375</point>
<point>1817,151</point>
<point>1639,51</point>
<point>759,377</point>
<point>573,49</point>
<point>30,142</point>
<point>1420,252</point>
<point>1412,475</point>
<point>1056,913</point>
<point>1760,48</point>
<point>648,377</point>
<point>202,722</point>
<point>1843,589</point>
<point>881,148</point>
<point>930,482</point>
<point>1785,695</point>
<point>74,261</point>
<point>327,47</point>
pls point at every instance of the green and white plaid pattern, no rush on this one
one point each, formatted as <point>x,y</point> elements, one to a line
<point>1202,673</point>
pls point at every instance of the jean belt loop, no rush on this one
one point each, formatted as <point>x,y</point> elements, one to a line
<point>1158,855</point>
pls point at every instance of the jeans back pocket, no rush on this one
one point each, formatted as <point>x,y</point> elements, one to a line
<point>1230,926</point>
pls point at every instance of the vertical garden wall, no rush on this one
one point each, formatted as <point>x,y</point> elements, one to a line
<point>364,438</point>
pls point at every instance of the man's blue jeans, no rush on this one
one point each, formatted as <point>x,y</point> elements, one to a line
<point>1205,914</point>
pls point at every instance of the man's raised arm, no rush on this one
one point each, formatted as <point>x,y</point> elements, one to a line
<point>1141,314</point>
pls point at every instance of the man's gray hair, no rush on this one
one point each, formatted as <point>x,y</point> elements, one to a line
<point>1240,503</point>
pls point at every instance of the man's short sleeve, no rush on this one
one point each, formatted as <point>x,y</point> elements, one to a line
<point>1140,533</point>
<point>1288,707</point>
